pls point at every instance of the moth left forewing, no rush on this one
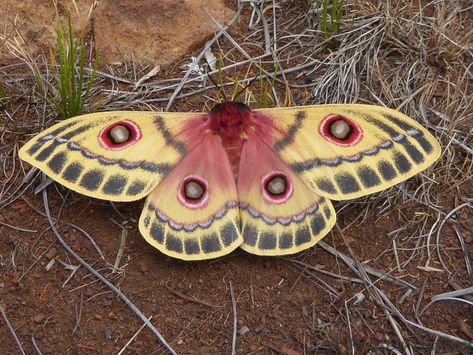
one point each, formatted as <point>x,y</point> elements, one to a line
<point>385,148</point>
<point>77,152</point>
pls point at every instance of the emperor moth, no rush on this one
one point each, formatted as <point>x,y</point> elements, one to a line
<point>234,177</point>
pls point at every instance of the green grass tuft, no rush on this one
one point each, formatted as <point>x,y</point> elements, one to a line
<point>266,96</point>
<point>73,89</point>
<point>330,24</point>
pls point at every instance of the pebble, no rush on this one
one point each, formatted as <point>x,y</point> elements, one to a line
<point>51,253</point>
<point>144,268</point>
<point>243,330</point>
<point>38,318</point>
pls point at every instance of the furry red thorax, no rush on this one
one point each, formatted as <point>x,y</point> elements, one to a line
<point>235,122</point>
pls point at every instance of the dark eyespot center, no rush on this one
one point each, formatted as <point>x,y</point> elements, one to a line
<point>119,134</point>
<point>276,185</point>
<point>194,190</point>
<point>340,129</point>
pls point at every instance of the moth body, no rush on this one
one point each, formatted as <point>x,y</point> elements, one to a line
<point>233,122</point>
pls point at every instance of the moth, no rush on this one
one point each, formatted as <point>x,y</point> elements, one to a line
<point>261,180</point>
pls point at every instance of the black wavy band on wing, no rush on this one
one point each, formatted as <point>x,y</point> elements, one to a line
<point>191,227</point>
<point>205,240</point>
<point>396,137</point>
<point>125,164</point>
<point>167,135</point>
<point>71,132</point>
<point>291,132</point>
<point>283,221</point>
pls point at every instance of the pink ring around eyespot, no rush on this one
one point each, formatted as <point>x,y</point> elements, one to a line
<point>189,203</point>
<point>355,135</point>
<point>107,143</point>
<point>273,198</point>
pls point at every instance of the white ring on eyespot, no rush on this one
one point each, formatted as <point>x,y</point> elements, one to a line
<point>182,198</point>
<point>268,196</point>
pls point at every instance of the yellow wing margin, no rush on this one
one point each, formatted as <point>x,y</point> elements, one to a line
<point>393,147</point>
<point>70,153</point>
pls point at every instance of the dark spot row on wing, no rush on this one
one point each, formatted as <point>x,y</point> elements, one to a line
<point>327,213</point>
<point>424,143</point>
<point>136,188</point>
<point>325,185</point>
<point>413,152</point>
<point>346,182</point>
<point>212,242</point>
<point>402,163</point>
<point>268,240</point>
<point>317,224</point>
<point>115,185</point>
<point>157,232</point>
<point>286,240</point>
<point>51,135</point>
<point>387,170</point>
<point>303,235</point>
<point>72,172</point>
<point>92,179</point>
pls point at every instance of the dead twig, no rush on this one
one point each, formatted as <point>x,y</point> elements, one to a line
<point>235,319</point>
<point>370,270</point>
<point>133,337</point>
<point>121,249</point>
<point>188,298</point>
<point>12,331</point>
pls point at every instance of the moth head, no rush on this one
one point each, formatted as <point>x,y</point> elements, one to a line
<point>229,118</point>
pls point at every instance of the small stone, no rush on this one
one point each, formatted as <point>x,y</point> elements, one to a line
<point>39,318</point>
<point>51,253</point>
<point>144,268</point>
<point>288,351</point>
<point>243,330</point>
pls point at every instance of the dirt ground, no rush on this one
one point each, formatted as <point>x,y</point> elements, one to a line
<point>309,303</point>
